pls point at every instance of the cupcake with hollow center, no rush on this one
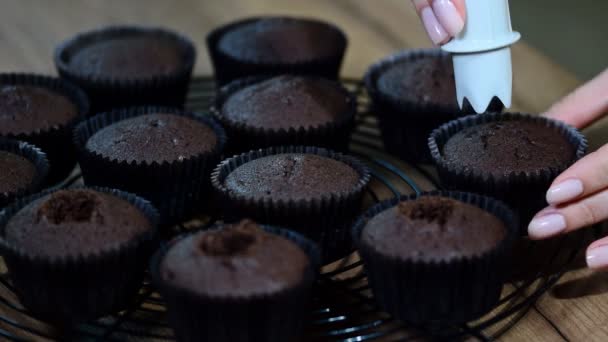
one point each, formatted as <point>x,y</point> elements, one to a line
<point>162,154</point>
<point>286,110</point>
<point>413,246</point>
<point>78,254</point>
<point>237,281</point>
<point>236,261</point>
<point>75,222</point>
<point>274,46</point>
<point>433,229</point>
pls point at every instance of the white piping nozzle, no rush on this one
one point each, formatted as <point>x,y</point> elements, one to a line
<point>482,54</point>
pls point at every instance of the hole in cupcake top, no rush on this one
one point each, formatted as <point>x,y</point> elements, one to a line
<point>433,228</point>
<point>229,242</point>
<point>70,206</point>
<point>428,208</point>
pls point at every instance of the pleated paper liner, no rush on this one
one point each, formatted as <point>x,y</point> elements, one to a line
<point>325,220</point>
<point>227,68</point>
<point>438,292</point>
<point>243,137</point>
<point>524,192</point>
<point>55,141</point>
<point>106,93</point>
<point>78,288</point>
<point>270,317</point>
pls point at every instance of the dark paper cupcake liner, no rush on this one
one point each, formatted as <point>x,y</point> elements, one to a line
<point>55,141</point>
<point>242,137</point>
<point>32,154</point>
<point>75,289</point>
<point>106,93</point>
<point>273,317</point>
<point>325,220</point>
<point>406,125</point>
<point>524,192</point>
<point>227,68</point>
<point>438,293</point>
<point>175,188</point>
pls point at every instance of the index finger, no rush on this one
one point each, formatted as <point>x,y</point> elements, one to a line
<point>585,105</point>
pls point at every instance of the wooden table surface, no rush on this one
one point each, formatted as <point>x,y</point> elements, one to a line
<point>576,309</point>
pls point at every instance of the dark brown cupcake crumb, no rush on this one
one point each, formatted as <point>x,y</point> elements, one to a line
<point>71,207</point>
<point>229,242</point>
<point>430,210</point>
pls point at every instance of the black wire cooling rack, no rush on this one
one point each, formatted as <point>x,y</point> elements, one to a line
<point>343,308</point>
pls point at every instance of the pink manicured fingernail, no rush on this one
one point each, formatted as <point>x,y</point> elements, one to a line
<point>546,226</point>
<point>565,191</point>
<point>448,16</point>
<point>436,32</point>
<point>598,257</point>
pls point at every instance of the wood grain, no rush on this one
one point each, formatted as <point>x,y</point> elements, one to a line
<point>30,29</point>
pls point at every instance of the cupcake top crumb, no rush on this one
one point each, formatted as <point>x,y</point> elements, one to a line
<point>75,222</point>
<point>286,102</point>
<point>433,229</point>
<point>27,109</point>
<point>153,138</point>
<point>422,80</point>
<point>505,147</point>
<point>280,40</point>
<point>17,173</point>
<point>128,57</point>
<point>236,260</point>
<point>292,176</point>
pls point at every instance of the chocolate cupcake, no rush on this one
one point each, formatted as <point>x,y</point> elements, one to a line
<point>75,255</point>
<point>513,157</point>
<point>414,92</point>
<point>315,191</point>
<point>274,46</point>
<point>24,169</point>
<point>414,245</point>
<point>240,282</point>
<point>122,66</point>
<point>286,110</point>
<point>42,111</point>
<point>162,154</point>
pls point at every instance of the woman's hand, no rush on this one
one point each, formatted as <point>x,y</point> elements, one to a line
<point>579,196</point>
<point>442,19</point>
